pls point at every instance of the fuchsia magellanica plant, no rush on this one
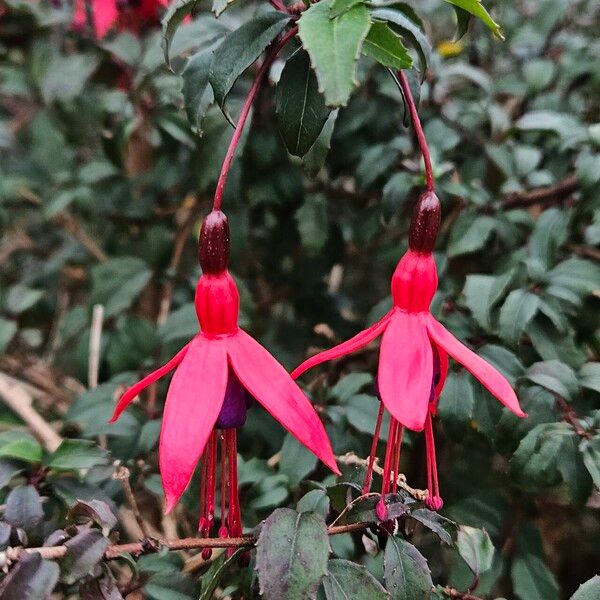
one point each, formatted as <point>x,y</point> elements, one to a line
<point>413,358</point>
<point>219,374</point>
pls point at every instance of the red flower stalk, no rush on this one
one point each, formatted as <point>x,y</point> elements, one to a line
<point>218,374</point>
<point>413,358</point>
<point>124,14</point>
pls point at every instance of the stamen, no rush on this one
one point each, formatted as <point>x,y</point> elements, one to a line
<point>369,474</point>
<point>203,476</point>
<point>211,483</point>
<point>381,508</point>
<point>396,463</point>
<point>434,500</point>
<point>234,518</point>
<point>223,531</point>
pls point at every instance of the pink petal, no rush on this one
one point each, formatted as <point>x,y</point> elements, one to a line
<point>406,369</point>
<point>489,377</point>
<point>193,404</point>
<point>352,345</point>
<point>273,387</point>
<point>443,371</point>
<point>105,16</point>
<point>134,390</point>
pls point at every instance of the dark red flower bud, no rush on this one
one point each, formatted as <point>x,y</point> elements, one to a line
<point>425,223</point>
<point>213,250</point>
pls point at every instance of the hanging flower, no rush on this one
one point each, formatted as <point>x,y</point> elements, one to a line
<point>124,14</point>
<point>218,374</point>
<point>413,358</point>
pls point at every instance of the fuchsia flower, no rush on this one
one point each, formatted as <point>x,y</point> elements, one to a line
<point>218,373</point>
<point>125,14</point>
<point>413,358</point>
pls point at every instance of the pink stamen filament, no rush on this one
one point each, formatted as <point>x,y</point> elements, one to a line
<point>414,115</point>
<point>237,134</point>
<point>381,509</point>
<point>234,516</point>
<point>223,531</point>
<point>369,474</point>
<point>434,499</point>
<point>396,464</point>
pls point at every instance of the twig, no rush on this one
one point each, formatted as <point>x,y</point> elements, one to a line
<point>585,251</point>
<point>68,221</point>
<point>553,193</point>
<point>351,459</point>
<point>94,347</point>
<point>458,595</point>
<point>20,401</point>
<point>122,475</point>
<point>150,545</point>
<point>570,416</point>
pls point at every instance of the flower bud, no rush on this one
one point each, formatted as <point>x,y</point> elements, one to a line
<point>213,250</point>
<point>425,223</point>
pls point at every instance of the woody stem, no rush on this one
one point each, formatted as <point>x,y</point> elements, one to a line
<point>237,134</point>
<point>414,115</point>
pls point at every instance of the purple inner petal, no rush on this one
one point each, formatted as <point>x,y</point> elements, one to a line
<point>236,404</point>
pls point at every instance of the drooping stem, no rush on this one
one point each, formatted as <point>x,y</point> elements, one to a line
<point>237,134</point>
<point>414,115</point>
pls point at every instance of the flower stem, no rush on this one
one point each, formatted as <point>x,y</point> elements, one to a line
<point>414,115</point>
<point>237,134</point>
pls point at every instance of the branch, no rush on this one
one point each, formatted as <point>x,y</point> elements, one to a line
<point>553,193</point>
<point>458,595</point>
<point>570,416</point>
<point>20,402</point>
<point>151,545</point>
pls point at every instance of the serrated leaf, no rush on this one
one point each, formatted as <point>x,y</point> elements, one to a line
<point>346,579</point>
<point>590,590</point>
<point>384,46</point>
<point>478,10</point>
<point>516,313</point>
<point>444,528</point>
<point>300,108</point>
<point>334,47</point>
<point>407,575</point>
<point>314,159</point>
<point>339,7</point>
<point>172,20</point>
<point>291,555</point>
<point>409,29</point>
<point>240,49</point>
<point>476,548</point>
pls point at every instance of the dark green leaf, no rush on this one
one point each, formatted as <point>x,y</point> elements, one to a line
<point>296,460</point>
<point>456,402</point>
<point>211,579</point>
<point>24,509</point>
<point>172,20</point>
<point>300,108</point>
<point>478,10</point>
<point>384,46</point>
<point>444,528</point>
<point>314,159</point>
<point>20,445</point>
<point>77,454</point>
<point>84,552</point>
<point>591,458</point>
<point>32,578</point>
<point>315,501</point>
<point>476,548</point>
<point>407,575</point>
<point>291,555</point>
<point>240,49</point>
<point>312,222</point>
<point>349,580</point>
<point>556,377</point>
<point>516,313</point>
<point>197,93</point>
<point>532,580</point>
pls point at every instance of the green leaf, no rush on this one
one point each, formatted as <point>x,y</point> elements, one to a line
<point>532,580</point>
<point>84,552</point>
<point>20,445</point>
<point>21,298</point>
<point>291,555</point>
<point>300,108</point>
<point>482,292</point>
<point>211,579</point>
<point>314,159</point>
<point>77,454</point>
<point>24,509</point>
<point>476,548</point>
<point>173,18</point>
<point>296,460</point>
<point>478,10</point>
<point>220,6</point>
<point>313,222</point>
<point>409,29</point>
<point>590,450</point>
<point>516,313</point>
<point>580,276</point>
<point>240,49</point>
<point>550,233</point>
<point>197,93</point>
<point>456,402</point>
<point>383,45</point>
<point>348,580</point>
<point>470,235</point>
<point>590,590</point>
<point>117,283</point>
<point>444,528</point>
<point>339,7</point>
<point>407,575</point>
<point>7,332</point>
<point>32,578</point>
<point>316,501</point>
<point>556,377</point>
<point>589,376</point>
<point>334,47</point>
<point>361,412</point>
<point>349,385</point>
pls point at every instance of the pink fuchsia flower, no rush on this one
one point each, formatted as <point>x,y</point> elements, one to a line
<point>124,14</point>
<point>218,374</point>
<point>413,358</point>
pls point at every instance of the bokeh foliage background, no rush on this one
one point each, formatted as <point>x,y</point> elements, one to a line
<point>103,183</point>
